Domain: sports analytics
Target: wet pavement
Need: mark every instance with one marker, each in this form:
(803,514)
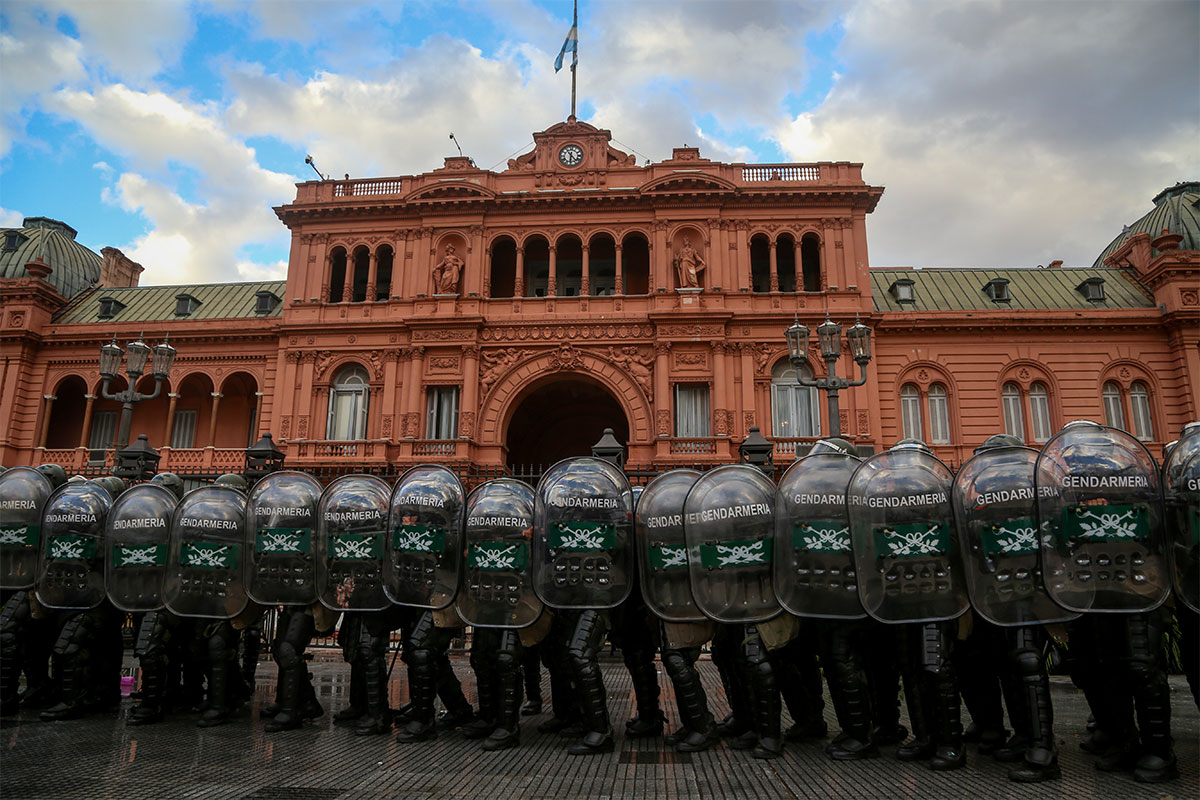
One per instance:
(100,757)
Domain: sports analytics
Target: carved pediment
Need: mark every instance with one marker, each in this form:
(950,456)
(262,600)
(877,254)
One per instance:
(449,191)
(687,183)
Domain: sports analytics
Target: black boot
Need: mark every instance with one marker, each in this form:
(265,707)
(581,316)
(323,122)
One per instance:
(1152,697)
(920,747)
(378,719)
(700,730)
(357,696)
(583,652)
(487,687)
(288,718)
(150,707)
(507,731)
(649,720)
(764,693)
(217,712)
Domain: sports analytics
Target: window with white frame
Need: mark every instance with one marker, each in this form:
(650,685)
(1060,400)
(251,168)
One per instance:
(104,431)
(910,412)
(1039,412)
(1139,405)
(794,409)
(939,414)
(691,411)
(1010,401)
(348,405)
(441,412)
(1114,414)
(183,431)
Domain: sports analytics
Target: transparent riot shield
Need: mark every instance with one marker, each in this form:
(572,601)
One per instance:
(206,562)
(583,535)
(1181,486)
(23,492)
(901,530)
(815,574)
(281,516)
(138,536)
(662,547)
(996,515)
(424,549)
(71,568)
(729,523)
(1100,510)
(351,529)
(497,589)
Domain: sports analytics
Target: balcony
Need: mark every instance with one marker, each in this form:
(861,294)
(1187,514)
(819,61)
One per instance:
(198,460)
(793,447)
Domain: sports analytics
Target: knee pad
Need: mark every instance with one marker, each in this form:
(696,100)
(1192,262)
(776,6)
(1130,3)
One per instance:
(286,655)
(1028,663)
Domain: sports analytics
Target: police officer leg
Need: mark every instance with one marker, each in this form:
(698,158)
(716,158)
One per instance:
(764,693)
(372,649)
(849,690)
(1040,761)
(293,635)
(348,635)
(221,641)
(917,695)
(485,645)
(638,654)
(1152,698)
(72,658)
(154,636)
(739,725)
(799,679)
(980,684)
(939,664)
(531,670)
(701,729)
(458,711)
(584,653)
(564,699)
(507,732)
(420,655)
(14,620)
(251,646)
(1189,647)
(882,649)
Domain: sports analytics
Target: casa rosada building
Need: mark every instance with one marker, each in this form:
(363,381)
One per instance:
(504,319)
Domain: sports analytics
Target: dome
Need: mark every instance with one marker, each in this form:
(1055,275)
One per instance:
(1176,208)
(74,266)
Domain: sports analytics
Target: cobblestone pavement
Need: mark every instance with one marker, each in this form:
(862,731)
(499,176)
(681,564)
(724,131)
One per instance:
(100,757)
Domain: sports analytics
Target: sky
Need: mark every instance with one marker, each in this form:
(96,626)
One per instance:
(1006,134)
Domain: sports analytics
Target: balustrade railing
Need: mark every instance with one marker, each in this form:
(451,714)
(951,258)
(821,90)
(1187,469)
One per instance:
(693,447)
(781,172)
(367,187)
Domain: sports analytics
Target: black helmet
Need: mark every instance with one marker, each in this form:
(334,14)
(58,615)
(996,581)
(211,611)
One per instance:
(170,481)
(54,473)
(911,444)
(999,440)
(232,479)
(834,444)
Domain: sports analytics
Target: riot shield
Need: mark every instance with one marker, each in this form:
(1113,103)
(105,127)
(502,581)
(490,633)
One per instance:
(206,562)
(71,566)
(497,589)
(281,515)
(425,546)
(583,535)
(351,528)
(1181,486)
(814,565)
(1100,509)
(996,517)
(138,537)
(729,524)
(23,492)
(902,534)
(662,547)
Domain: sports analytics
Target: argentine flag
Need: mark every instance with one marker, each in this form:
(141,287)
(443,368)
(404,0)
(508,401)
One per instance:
(572,44)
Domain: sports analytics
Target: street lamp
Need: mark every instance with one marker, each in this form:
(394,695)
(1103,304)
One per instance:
(829,339)
(136,354)
(262,458)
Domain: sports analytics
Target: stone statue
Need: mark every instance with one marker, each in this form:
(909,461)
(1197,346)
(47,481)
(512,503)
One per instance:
(638,366)
(688,266)
(447,272)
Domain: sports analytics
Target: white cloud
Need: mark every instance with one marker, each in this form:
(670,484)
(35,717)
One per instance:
(134,39)
(10,218)
(33,59)
(250,271)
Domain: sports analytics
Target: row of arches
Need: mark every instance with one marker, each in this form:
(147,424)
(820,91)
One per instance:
(190,411)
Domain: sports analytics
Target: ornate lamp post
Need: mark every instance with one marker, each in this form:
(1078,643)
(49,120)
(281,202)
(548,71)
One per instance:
(758,451)
(262,458)
(136,355)
(609,449)
(829,337)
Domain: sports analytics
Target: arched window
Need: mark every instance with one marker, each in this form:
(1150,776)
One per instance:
(939,414)
(1039,412)
(910,412)
(1114,414)
(1139,404)
(348,405)
(794,410)
(1010,400)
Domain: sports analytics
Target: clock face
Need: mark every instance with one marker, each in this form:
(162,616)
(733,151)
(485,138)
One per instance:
(570,155)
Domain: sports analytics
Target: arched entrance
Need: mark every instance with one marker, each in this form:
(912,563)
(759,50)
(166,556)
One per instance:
(560,418)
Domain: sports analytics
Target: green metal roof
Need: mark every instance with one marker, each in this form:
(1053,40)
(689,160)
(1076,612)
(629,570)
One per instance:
(955,289)
(157,303)
(1177,209)
(74,266)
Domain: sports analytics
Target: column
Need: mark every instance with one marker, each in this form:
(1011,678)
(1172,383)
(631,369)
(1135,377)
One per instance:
(771,248)
(212,419)
(720,391)
(348,284)
(587,274)
(828,255)
(415,371)
(748,410)
(662,390)
(258,405)
(372,276)
(467,411)
(660,267)
(169,427)
(551,279)
(519,278)
(49,398)
(745,279)
(620,286)
(305,394)
(475,273)
(87,420)
(798,260)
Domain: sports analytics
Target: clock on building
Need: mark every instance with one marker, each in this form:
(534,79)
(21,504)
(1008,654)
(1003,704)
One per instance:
(570,155)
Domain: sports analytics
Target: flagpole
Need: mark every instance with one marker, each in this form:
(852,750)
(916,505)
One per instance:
(574,55)
(572,91)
